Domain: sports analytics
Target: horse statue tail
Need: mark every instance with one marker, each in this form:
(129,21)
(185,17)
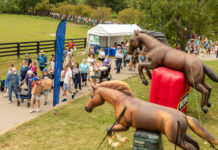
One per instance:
(200,131)
(210,73)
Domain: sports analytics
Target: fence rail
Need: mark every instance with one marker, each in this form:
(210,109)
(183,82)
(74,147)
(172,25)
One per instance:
(34,47)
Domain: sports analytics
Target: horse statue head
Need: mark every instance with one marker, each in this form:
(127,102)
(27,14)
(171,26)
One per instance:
(137,40)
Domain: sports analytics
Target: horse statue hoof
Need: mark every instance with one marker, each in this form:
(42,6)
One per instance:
(205,110)
(126,139)
(145,82)
(118,144)
(208,104)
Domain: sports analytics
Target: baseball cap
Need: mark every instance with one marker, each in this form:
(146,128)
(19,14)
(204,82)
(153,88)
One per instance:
(35,79)
(45,70)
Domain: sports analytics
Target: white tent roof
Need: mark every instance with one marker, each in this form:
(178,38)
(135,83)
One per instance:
(113,29)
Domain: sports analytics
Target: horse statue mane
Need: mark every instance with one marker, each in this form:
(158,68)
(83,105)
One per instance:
(157,35)
(118,85)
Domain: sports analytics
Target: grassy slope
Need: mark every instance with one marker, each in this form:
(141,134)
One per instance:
(73,128)
(17,28)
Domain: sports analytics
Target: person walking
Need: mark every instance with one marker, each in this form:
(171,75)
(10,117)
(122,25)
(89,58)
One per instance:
(108,63)
(28,60)
(34,68)
(46,92)
(101,56)
(76,77)
(142,56)
(135,60)
(37,89)
(119,58)
(42,61)
(12,81)
(124,55)
(23,70)
(91,74)
(84,67)
(67,82)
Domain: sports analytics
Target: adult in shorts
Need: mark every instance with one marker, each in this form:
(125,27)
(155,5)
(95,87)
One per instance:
(101,56)
(91,74)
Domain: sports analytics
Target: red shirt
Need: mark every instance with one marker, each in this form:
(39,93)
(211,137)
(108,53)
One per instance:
(71,45)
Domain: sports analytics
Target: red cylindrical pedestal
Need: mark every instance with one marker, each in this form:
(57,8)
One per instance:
(169,88)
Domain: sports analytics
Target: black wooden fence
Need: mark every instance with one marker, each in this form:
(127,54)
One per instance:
(21,48)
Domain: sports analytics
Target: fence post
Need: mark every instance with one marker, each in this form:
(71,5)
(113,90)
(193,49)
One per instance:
(18,50)
(54,45)
(37,49)
(85,43)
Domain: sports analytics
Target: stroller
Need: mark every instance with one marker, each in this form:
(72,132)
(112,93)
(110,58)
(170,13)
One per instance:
(24,93)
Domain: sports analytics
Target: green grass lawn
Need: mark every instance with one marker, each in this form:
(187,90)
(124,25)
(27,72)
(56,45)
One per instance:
(75,129)
(20,28)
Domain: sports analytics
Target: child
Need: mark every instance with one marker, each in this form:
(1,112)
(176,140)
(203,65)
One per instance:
(76,77)
(135,60)
(130,63)
(34,68)
(67,82)
(37,89)
(91,74)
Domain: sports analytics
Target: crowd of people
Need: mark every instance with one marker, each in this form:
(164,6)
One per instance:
(201,44)
(80,19)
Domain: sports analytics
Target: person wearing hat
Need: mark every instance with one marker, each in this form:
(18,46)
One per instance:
(42,61)
(30,75)
(28,60)
(12,81)
(46,75)
(36,94)
(23,70)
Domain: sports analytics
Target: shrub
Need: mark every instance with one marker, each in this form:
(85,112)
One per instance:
(44,6)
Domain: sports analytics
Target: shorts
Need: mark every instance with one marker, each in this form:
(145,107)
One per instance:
(101,59)
(52,76)
(62,83)
(46,92)
(67,88)
(38,98)
(93,77)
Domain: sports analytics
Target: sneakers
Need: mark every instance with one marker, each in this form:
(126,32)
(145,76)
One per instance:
(18,103)
(64,100)
(85,84)
(73,95)
(9,102)
(45,103)
(38,109)
(32,110)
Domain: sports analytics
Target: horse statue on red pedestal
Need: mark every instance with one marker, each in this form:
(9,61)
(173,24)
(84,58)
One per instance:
(159,53)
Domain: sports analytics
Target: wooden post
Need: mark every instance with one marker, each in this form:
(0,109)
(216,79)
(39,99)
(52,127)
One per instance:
(85,43)
(54,45)
(37,49)
(18,50)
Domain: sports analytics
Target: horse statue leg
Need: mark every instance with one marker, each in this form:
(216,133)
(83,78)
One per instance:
(115,129)
(141,66)
(122,139)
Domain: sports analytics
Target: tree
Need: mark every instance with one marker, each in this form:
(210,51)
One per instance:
(125,17)
(44,6)
(102,13)
(116,5)
(25,5)
(176,19)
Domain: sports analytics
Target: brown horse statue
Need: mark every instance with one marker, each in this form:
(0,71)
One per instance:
(148,116)
(159,53)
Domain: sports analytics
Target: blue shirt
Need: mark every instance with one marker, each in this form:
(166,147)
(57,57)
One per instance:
(84,67)
(42,60)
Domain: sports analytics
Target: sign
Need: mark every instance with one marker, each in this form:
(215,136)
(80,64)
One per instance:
(94,39)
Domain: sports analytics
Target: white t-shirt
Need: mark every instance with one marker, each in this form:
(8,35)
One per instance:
(101,54)
(52,66)
(68,75)
(89,60)
(92,70)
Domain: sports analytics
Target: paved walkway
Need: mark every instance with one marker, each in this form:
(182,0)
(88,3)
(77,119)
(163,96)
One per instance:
(12,116)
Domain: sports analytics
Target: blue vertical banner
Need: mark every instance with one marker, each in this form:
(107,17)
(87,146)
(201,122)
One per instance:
(59,48)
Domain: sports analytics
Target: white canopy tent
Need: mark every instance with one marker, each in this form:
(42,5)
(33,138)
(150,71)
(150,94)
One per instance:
(108,34)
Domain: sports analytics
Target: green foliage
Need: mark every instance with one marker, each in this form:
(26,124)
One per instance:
(128,15)
(177,19)
(44,6)
(103,13)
